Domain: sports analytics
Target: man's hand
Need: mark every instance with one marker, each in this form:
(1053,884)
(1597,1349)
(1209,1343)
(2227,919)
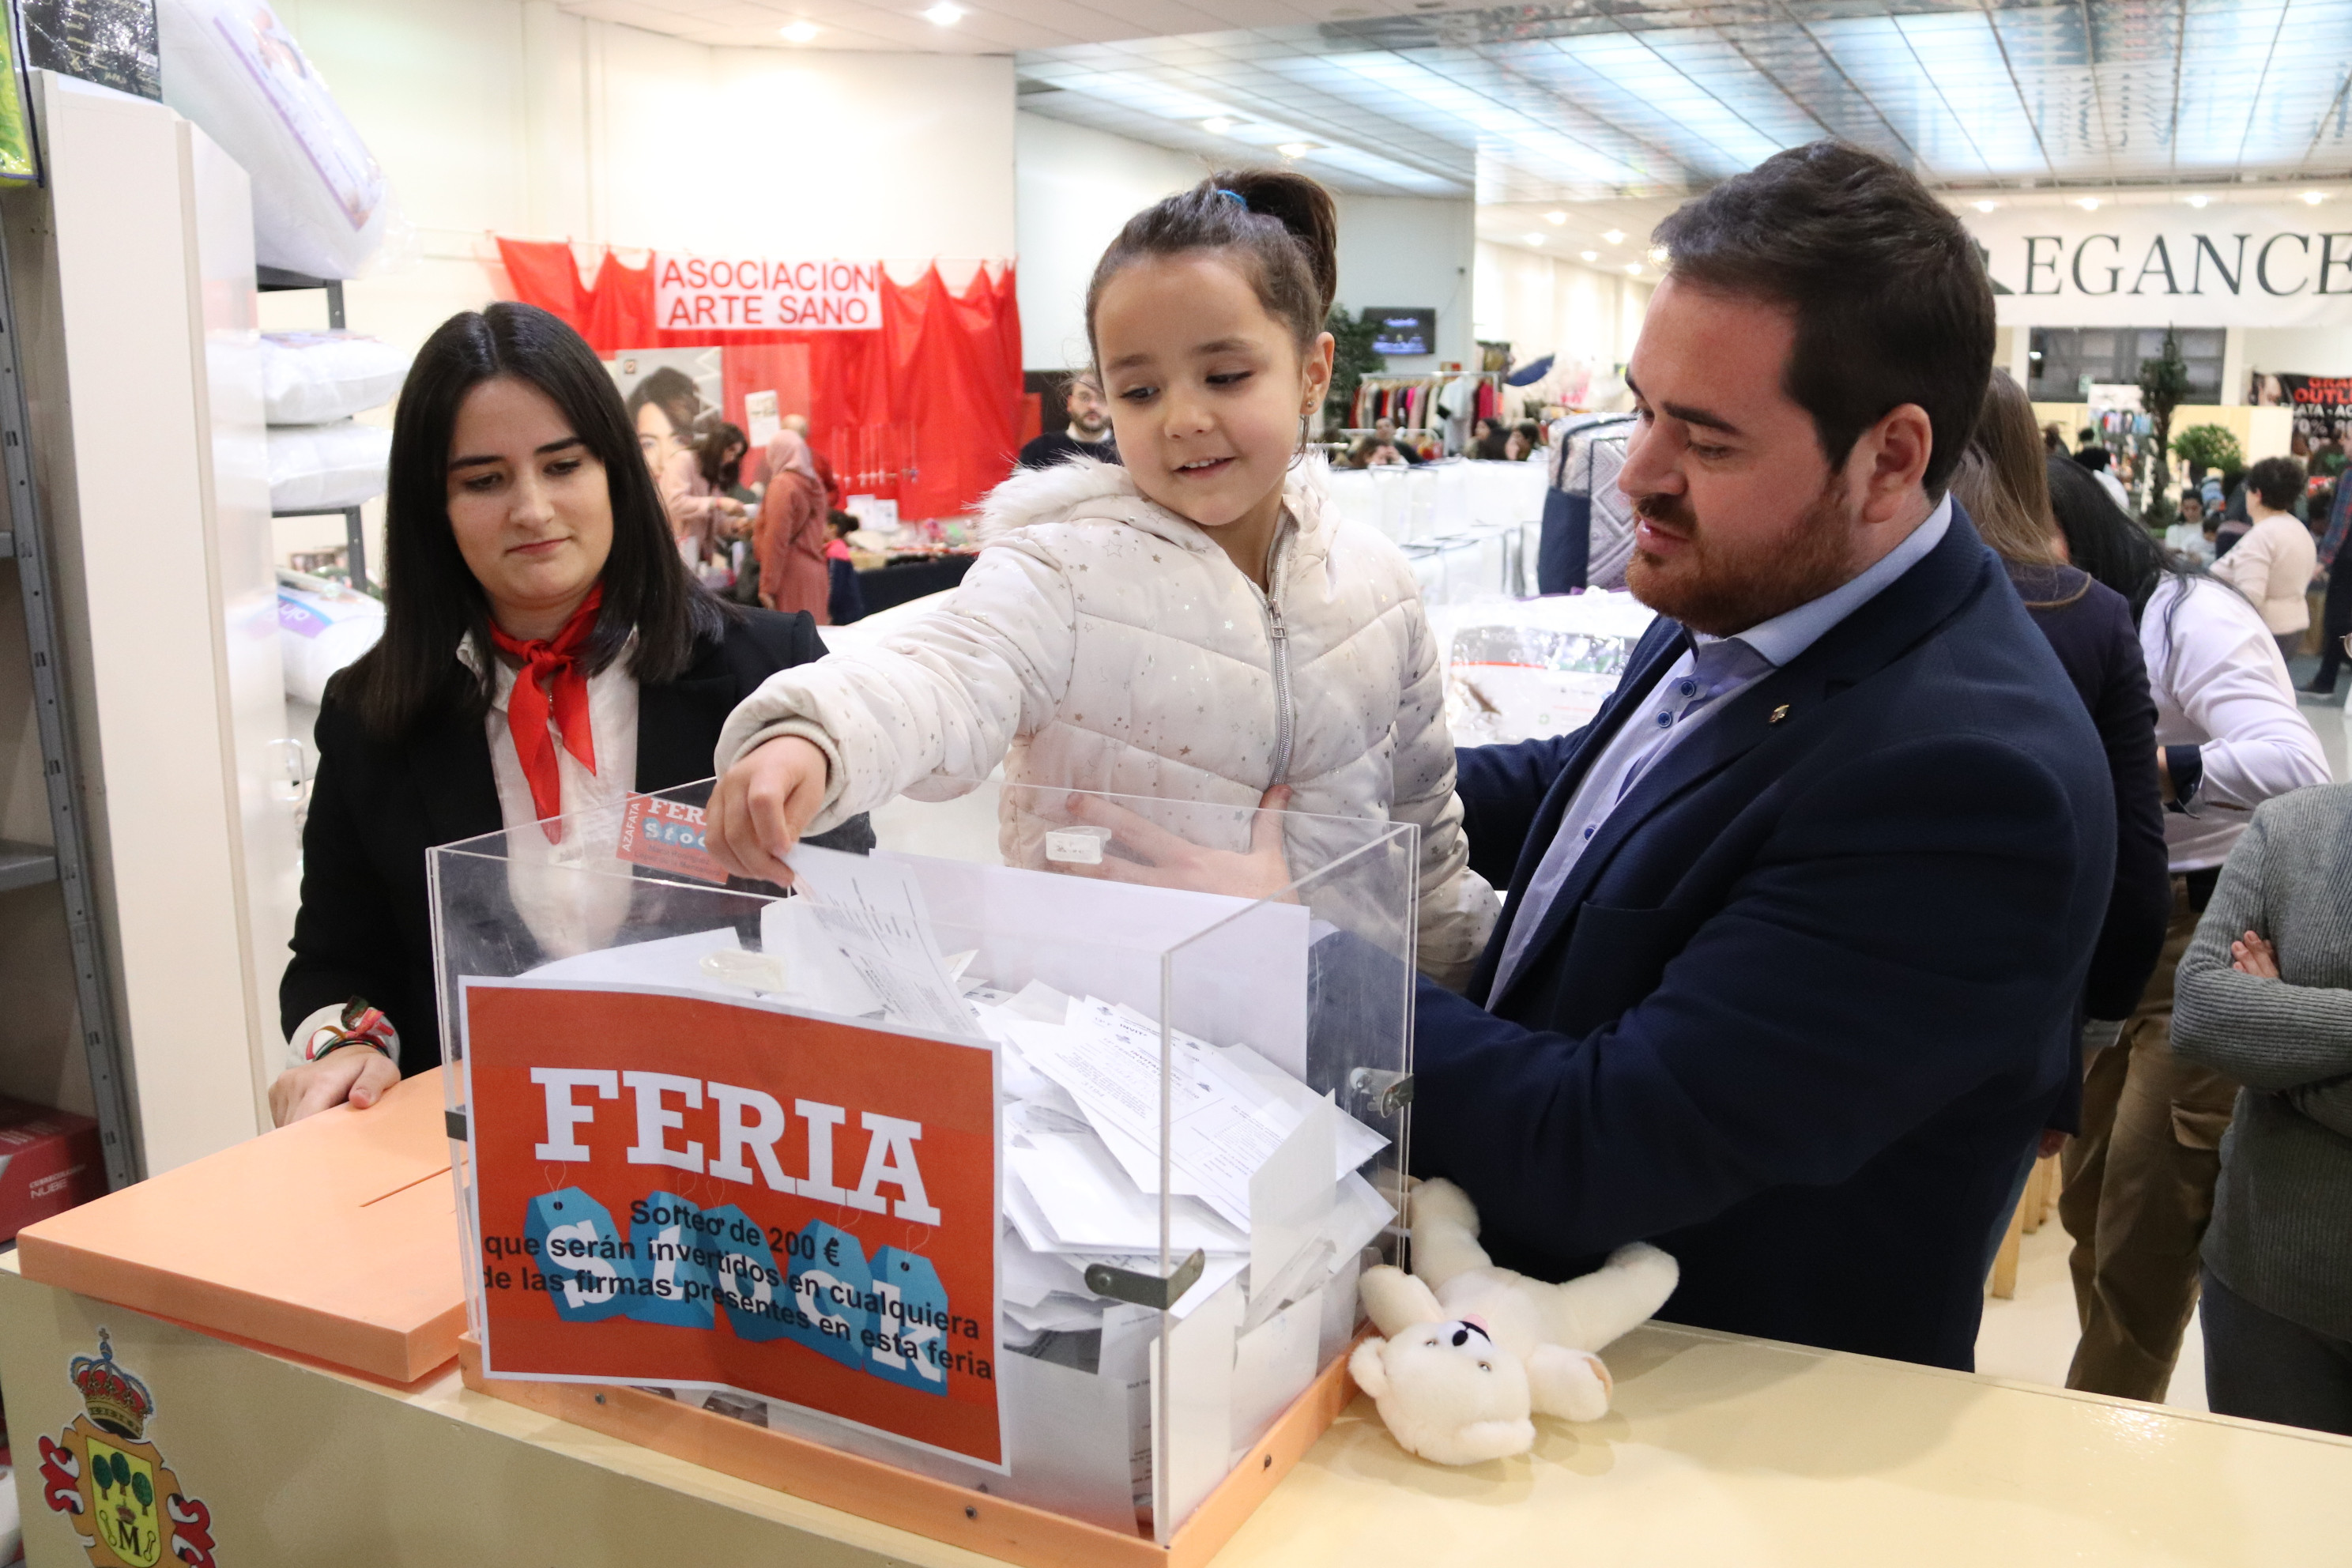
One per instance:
(359,1074)
(2251,954)
(1161,860)
(762,806)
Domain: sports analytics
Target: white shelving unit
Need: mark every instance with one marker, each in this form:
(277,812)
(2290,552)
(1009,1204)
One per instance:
(142,542)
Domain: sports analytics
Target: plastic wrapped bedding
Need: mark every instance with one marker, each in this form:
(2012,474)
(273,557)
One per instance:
(321,466)
(321,627)
(310,378)
(321,204)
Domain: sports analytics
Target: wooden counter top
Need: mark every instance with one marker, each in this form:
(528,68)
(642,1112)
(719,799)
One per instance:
(1721,1451)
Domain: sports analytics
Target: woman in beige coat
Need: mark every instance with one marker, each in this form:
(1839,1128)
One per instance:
(2274,564)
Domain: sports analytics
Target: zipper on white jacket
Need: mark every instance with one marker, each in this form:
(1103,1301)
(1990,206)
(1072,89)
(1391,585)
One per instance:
(1280,640)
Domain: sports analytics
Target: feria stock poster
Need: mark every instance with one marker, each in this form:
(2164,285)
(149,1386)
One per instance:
(795,1208)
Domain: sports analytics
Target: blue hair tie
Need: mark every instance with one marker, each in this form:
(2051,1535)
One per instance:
(1236,197)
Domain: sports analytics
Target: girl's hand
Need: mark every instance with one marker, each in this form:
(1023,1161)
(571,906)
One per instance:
(762,806)
(357,1074)
(1161,860)
(2251,954)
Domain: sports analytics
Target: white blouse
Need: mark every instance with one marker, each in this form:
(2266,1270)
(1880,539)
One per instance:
(572,895)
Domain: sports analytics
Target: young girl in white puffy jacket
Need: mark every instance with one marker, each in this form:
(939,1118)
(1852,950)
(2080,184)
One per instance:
(1199,624)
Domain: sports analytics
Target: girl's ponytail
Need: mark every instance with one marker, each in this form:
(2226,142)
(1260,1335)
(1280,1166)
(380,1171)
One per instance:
(1283,225)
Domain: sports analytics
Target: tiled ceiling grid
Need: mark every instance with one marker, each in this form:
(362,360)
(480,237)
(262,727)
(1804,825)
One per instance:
(1611,98)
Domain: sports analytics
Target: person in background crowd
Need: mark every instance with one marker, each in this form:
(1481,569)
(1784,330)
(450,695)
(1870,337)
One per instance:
(2004,484)
(729,446)
(1087,435)
(703,518)
(1384,430)
(2097,462)
(1526,437)
(2272,566)
(2336,610)
(1373,452)
(544,651)
(846,597)
(2192,509)
(793,534)
(1492,444)
(2139,1173)
(2053,440)
(799,426)
(2264,991)
(1800,920)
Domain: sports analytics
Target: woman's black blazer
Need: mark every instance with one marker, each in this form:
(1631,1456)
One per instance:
(363,928)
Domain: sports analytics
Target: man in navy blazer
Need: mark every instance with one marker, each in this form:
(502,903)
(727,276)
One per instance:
(1787,983)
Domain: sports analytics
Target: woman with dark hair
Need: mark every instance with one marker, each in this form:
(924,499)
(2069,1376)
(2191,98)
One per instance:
(544,651)
(2002,482)
(2139,1176)
(2272,566)
(661,410)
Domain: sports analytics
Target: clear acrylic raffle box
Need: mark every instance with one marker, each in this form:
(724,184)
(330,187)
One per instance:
(1009,1183)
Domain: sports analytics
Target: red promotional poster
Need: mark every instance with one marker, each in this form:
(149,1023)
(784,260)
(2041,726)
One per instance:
(673,1188)
(667,835)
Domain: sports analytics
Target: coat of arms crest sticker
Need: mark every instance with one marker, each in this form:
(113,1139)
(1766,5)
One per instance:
(112,1484)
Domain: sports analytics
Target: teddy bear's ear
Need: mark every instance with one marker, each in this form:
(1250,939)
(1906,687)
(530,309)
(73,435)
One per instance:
(1371,1372)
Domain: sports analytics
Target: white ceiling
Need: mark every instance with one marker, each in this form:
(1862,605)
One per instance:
(1537,108)
(988,26)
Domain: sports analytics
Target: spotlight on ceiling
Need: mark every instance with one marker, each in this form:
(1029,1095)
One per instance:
(1986,206)
(1555,218)
(2312,198)
(2089,203)
(800,32)
(1615,236)
(2200,200)
(1533,238)
(1299,149)
(1635,267)
(1217,126)
(1588,255)
(1658,256)
(944,15)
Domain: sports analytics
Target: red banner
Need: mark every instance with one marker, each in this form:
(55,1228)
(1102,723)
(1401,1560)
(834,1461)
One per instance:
(800,1209)
(925,412)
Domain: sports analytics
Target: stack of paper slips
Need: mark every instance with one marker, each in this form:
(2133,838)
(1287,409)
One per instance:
(1084,1082)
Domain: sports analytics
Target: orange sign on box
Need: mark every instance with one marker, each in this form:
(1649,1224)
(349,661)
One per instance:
(679,1188)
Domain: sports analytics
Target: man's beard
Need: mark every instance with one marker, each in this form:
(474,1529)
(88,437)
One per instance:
(1711,590)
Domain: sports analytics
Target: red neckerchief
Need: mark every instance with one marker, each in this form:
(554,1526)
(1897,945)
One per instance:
(551,682)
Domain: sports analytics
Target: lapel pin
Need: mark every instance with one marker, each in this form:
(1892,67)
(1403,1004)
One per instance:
(1777,714)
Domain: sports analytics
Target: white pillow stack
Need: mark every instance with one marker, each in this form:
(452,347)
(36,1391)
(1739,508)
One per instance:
(312,383)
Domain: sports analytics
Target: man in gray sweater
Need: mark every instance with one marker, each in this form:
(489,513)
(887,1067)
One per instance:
(2264,994)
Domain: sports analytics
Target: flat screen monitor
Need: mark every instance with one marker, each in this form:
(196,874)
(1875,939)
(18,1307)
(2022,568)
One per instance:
(1402,329)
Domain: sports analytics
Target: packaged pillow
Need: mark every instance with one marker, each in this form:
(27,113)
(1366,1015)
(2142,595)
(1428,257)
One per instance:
(321,627)
(310,378)
(320,205)
(320,466)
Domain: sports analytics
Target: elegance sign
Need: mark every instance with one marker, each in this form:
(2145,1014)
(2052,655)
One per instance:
(2215,267)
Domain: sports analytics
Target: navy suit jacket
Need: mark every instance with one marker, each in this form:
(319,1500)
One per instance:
(1807,997)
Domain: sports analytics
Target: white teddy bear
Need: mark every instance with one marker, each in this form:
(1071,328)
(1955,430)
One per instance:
(1472,1351)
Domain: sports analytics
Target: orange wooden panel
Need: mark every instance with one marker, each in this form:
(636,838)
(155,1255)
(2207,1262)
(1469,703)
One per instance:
(1012,1531)
(335,1239)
